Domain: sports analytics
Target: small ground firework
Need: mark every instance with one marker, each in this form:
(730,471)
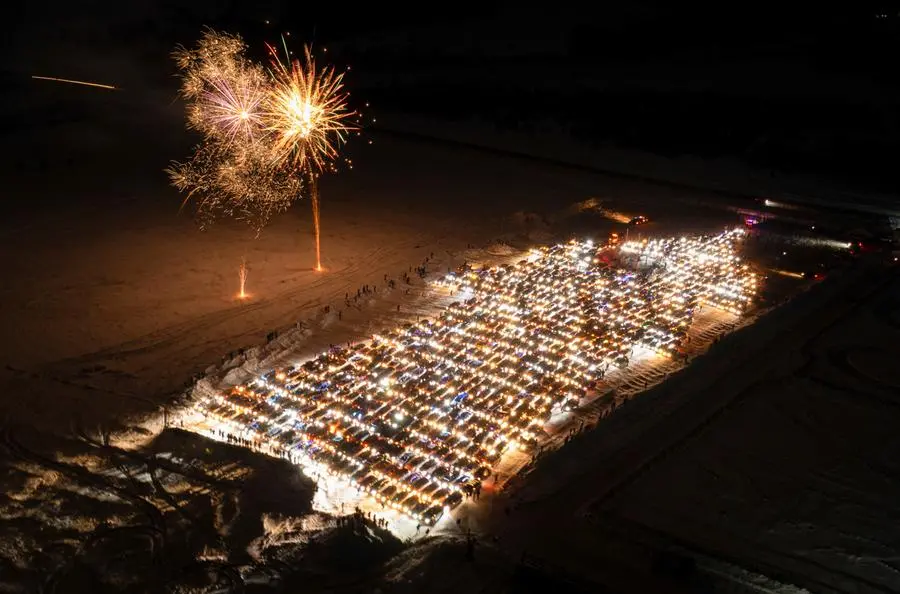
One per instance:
(242,274)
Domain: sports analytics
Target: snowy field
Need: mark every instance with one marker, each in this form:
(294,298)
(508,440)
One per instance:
(119,300)
(124,298)
(115,303)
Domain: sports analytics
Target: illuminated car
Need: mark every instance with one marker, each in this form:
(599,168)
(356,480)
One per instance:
(639,220)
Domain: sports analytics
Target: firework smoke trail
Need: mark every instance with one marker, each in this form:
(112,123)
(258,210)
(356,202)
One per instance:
(314,200)
(242,273)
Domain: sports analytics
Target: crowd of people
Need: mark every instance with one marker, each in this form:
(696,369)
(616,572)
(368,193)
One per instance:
(417,417)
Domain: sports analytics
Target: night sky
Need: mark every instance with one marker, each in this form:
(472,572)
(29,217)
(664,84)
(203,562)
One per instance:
(788,89)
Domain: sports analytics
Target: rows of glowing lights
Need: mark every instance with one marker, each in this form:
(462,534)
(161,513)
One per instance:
(416,415)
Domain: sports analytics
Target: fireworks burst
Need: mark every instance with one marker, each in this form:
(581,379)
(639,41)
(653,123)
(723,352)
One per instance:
(232,172)
(216,56)
(225,89)
(267,132)
(308,115)
(307,112)
(235,180)
(231,107)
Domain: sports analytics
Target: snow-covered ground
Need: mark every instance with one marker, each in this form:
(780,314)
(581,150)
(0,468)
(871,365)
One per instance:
(116,300)
(113,302)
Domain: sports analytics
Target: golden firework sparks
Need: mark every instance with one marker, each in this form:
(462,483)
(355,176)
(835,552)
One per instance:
(225,89)
(238,180)
(307,112)
(232,172)
(216,56)
(266,132)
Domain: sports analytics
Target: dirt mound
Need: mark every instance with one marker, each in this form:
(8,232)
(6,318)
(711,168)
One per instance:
(500,249)
(602,207)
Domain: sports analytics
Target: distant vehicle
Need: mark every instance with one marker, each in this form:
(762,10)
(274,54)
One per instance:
(869,246)
(639,220)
